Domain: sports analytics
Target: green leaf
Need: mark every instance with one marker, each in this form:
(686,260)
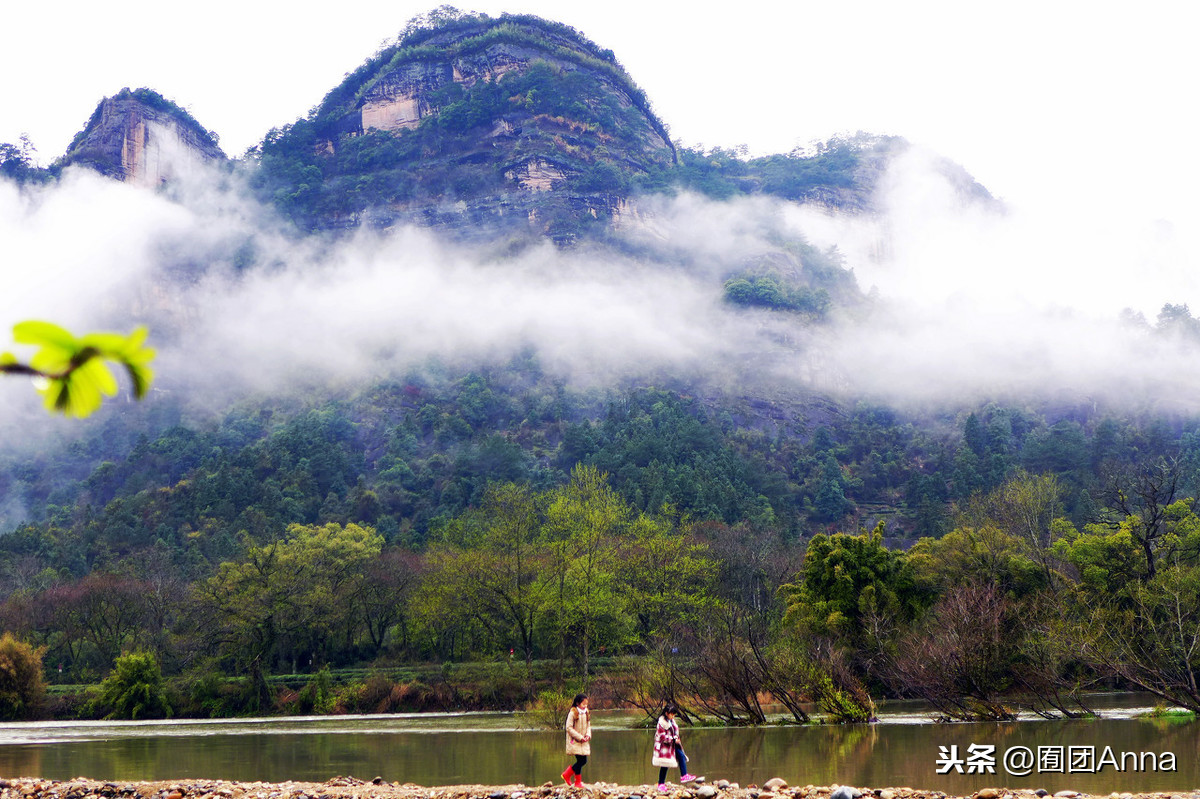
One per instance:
(102,375)
(141,377)
(44,333)
(78,377)
(55,396)
(110,344)
(51,359)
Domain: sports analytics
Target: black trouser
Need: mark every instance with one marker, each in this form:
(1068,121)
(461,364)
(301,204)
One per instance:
(679,756)
(580,762)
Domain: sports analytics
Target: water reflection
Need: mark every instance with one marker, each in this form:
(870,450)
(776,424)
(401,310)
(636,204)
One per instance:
(433,750)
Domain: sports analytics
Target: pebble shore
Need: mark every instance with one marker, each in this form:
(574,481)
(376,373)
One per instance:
(350,788)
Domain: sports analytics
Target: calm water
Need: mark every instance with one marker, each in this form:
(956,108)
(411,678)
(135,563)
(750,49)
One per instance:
(437,749)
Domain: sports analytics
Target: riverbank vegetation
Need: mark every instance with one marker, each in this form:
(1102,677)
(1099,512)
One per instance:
(455,541)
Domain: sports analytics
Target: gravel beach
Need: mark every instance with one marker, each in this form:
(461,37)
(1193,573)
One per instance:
(351,788)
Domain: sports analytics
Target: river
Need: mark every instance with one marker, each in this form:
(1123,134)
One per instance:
(902,749)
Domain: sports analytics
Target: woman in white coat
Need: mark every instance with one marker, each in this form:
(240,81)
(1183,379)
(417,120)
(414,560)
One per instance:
(579,735)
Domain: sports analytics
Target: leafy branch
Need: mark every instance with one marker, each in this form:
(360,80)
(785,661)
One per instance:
(72,373)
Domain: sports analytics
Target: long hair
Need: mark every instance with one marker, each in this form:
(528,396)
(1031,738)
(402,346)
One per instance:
(670,708)
(578,698)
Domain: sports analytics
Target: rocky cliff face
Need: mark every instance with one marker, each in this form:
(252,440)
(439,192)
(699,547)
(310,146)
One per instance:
(514,121)
(138,137)
(403,94)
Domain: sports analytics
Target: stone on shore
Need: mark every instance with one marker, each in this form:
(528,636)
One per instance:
(352,788)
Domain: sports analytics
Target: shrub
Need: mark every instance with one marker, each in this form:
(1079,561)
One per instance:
(207,695)
(548,710)
(374,695)
(74,704)
(22,686)
(134,689)
(317,696)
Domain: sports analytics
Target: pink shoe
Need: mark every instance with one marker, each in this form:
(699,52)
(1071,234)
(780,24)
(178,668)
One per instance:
(663,789)
(687,778)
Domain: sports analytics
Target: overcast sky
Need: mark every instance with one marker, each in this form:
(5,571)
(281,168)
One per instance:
(1044,102)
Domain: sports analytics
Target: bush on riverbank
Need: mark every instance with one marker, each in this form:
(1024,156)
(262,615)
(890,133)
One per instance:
(133,690)
(547,710)
(212,695)
(317,696)
(22,686)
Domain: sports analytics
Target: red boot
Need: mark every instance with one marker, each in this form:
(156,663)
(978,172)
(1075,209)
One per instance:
(568,775)
(578,780)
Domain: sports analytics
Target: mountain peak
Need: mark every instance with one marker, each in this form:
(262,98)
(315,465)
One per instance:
(448,47)
(132,135)
(525,120)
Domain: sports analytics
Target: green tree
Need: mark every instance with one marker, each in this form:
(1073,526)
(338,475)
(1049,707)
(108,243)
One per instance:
(586,522)
(975,436)
(240,611)
(1107,562)
(1152,639)
(324,567)
(22,687)
(830,502)
(671,576)
(978,556)
(852,589)
(134,689)
(1139,499)
(491,561)
(318,695)
(1025,506)
(292,597)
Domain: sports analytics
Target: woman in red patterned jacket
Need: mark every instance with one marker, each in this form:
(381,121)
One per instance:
(668,750)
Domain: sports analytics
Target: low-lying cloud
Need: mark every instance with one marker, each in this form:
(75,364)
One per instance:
(976,302)
(968,301)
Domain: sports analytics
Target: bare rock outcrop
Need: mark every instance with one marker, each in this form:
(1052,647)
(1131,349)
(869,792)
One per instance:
(140,137)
